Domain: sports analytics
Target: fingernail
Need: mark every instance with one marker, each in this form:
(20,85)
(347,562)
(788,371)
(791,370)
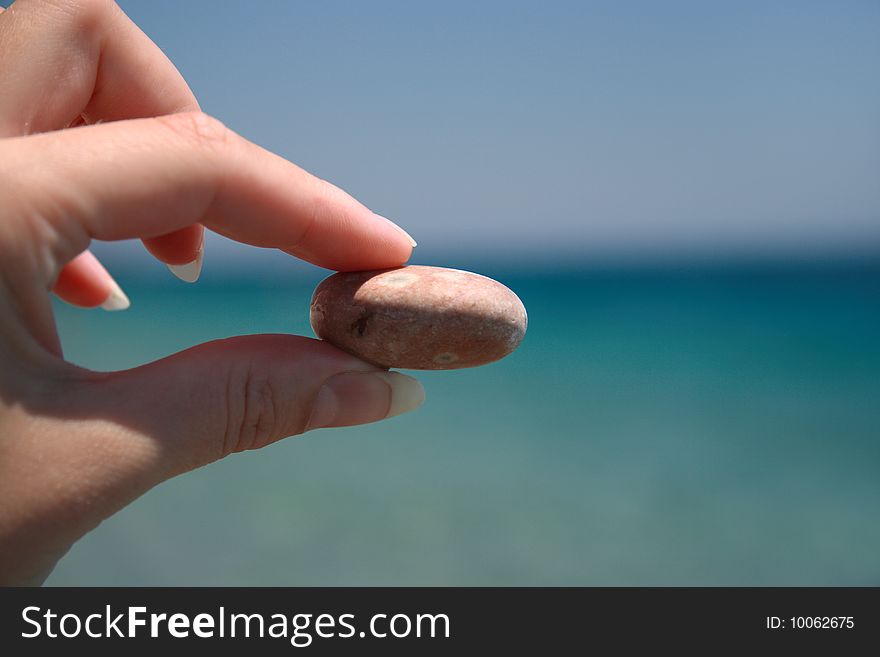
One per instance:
(407,394)
(190,271)
(407,235)
(362,397)
(116,300)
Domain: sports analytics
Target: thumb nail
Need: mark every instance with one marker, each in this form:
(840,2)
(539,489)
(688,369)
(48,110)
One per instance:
(362,397)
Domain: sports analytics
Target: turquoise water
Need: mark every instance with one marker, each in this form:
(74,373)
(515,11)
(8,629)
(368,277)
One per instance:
(680,427)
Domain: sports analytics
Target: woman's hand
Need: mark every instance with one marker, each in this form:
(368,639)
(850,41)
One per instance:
(100,138)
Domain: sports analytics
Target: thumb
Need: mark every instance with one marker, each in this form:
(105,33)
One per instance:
(91,443)
(244,393)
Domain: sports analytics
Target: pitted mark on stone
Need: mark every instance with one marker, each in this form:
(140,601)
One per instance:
(359,326)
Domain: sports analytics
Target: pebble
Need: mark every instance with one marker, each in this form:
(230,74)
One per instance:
(419,317)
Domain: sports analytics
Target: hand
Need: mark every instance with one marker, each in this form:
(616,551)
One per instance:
(100,138)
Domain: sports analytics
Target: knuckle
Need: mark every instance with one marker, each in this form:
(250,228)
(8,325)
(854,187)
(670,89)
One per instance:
(96,7)
(253,412)
(201,129)
(83,16)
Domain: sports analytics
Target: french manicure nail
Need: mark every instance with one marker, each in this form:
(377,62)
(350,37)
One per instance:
(361,397)
(116,300)
(407,235)
(190,271)
(407,394)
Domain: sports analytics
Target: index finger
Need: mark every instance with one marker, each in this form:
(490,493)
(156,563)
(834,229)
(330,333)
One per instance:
(149,177)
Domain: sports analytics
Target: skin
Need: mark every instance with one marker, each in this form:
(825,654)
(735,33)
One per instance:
(101,138)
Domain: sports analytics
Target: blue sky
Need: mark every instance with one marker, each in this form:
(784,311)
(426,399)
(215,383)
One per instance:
(585,131)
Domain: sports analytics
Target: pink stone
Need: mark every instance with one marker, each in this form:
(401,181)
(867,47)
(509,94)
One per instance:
(418,317)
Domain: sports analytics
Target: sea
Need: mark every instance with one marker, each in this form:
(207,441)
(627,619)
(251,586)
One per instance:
(670,425)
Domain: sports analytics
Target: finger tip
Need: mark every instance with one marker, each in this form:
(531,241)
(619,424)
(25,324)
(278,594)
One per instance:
(400,231)
(351,398)
(407,393)
(117,299)
(189,272)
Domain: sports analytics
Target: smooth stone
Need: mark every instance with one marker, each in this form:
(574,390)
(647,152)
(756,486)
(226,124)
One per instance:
(419,317)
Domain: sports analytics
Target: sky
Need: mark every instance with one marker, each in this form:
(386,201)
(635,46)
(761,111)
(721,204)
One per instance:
(578,131)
